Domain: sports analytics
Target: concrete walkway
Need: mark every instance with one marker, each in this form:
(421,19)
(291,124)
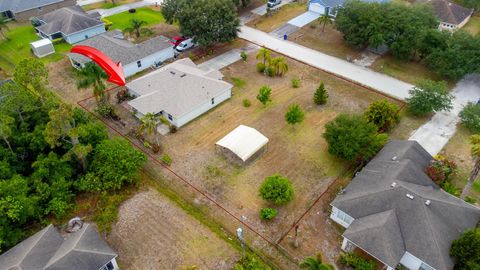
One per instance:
(364,76)
(434,134)
(227,58)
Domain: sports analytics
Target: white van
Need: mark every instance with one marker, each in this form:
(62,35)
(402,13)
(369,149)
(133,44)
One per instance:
(185,45)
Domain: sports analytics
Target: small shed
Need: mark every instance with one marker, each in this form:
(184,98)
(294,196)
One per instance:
(242,145)
(42,47)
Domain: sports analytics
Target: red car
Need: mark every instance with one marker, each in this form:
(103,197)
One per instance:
(177,40)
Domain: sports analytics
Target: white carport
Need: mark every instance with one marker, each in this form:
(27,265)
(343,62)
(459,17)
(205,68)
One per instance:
(43,47)
(243,144)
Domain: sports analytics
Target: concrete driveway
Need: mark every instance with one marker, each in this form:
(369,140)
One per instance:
(364,76)
(123,8)
(434,134)
(304,19)
(227,58)
(262,10)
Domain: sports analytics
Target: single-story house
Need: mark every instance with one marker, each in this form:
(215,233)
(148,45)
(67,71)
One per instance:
(451,15)
(180,92)
(330,7)
(23,10)
(394,212)
(43,47)
(72,24)
(242,145)
(134,57)
(49,250)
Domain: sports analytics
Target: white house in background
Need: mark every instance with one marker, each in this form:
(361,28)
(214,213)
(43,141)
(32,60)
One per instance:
(242,145)
(330,6)
(393,211)
(72,24)
(451,16)
(134,57)
(49,250)
(180,92)
(43,47)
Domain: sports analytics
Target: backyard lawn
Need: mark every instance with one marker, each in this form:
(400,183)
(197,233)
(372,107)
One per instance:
(17,47)
(473,26)
(122,20)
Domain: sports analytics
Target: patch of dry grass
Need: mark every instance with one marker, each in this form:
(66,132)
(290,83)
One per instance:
(278,18)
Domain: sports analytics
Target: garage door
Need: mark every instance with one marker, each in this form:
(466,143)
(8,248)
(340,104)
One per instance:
(315,7)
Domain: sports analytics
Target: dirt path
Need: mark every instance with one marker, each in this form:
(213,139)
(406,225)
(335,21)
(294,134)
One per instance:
(154,233)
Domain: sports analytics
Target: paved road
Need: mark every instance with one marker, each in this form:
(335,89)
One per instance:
(227,58)
(122,8)
(380,82)
(434,134)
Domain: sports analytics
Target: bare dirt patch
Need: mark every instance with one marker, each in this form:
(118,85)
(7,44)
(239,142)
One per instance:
(154,233)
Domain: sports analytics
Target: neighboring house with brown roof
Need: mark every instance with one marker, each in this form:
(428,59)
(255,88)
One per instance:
(393,211)
(72,24)
(180,92)
(134,57)
(451,16)
(48,250)
(23,10)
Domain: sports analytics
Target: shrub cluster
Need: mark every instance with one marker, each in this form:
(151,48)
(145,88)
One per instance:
(357,262)
(276,189)
(268,213)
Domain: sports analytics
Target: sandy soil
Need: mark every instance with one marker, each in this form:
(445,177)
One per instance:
(153,233)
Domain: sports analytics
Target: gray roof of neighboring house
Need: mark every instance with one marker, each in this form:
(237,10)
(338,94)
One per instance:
(177,89)
(113,45)
(48,250)
(22,5)
(336,3)
(68,20)
(387,223)
(450,12)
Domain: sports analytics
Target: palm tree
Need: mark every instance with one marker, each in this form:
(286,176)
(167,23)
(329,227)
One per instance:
(149,123)
(315,263)
(3,25)
(135,26)
(279,65)
(92,76)
(264,54)
(475,152)
(324,19)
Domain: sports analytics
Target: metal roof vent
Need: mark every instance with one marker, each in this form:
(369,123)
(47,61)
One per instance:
(394,184)
(410,196)
(172,72)
(183,75)
(428,202)
(394,158)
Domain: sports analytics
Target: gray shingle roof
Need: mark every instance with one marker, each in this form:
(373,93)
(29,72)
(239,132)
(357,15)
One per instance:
(47,250)
(22,5)
(426,231)
(118,49)
(450,12)
(68,20)
(177,89)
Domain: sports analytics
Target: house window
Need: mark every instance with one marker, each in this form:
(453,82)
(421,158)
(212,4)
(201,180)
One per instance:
(139,63)
(213,101)
(344,217)
(170,117)
(108,266)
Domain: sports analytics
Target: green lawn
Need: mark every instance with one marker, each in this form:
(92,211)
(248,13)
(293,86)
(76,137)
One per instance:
(17,47)
(122,20)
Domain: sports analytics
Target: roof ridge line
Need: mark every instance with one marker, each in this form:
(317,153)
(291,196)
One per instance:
(434,235)
(64,240)
(96,252)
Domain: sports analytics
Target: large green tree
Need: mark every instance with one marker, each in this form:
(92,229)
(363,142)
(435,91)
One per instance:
(466,250)
(383,114)
(32,74)
(429,96)
(207,21)
(352,137)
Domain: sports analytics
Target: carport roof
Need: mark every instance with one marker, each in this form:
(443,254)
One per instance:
(243,141)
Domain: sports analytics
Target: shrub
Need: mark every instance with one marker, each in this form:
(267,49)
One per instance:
(294,114)
(250,263)
(470,116)
(270,72)
(268,213)
(107,22)
(440,169)
(155,148)
(470,200)
(466,250)
(295,82)
(123,95)
(166,159)
(264,94)
(350,137)
(320,96)
(261,67)
(244,56)
(276,189)
(104,109)
(450,188)
(173,128)
(246,103)
(239,83)
(356,262)
(382,114)
(429,96)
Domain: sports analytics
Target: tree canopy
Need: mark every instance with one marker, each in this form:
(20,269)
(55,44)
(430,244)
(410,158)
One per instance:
(429,96)
(207,21)
(466,250)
